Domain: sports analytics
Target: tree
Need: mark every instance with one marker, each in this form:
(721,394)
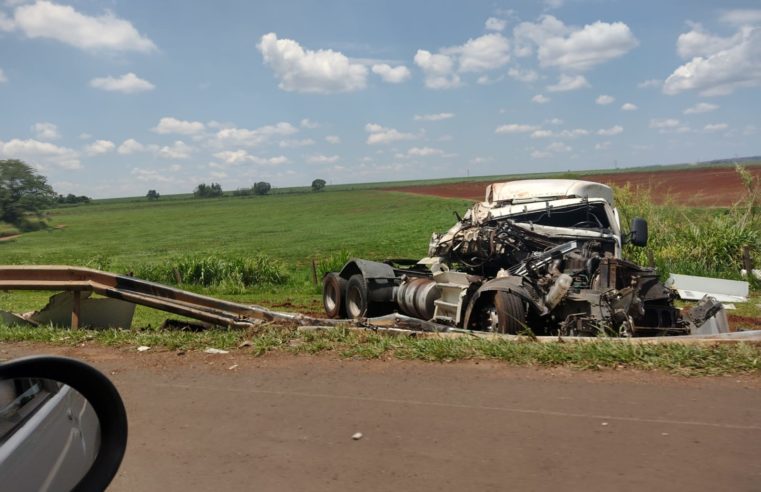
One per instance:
(318,184)
(262,188)
(23,193)
(152,195)
(208,191)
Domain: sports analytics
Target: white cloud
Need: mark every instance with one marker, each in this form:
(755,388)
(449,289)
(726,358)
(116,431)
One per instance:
(317,72)
(307,123)
(609,132)
(434,117)
(46,131)
(253,138)
(575,133)
(130,146)
(333,139)
(129,83)
(178,150)
(701,107)
(569,83)
(487,80)
(296,143)
(553,4)
(6,23)
(570,48)
(438,70)
(3,78)
(40,154)
(629,107)
(741,17)
(540,154)
(559,147)
(424,151)
(602,145)
(495,24)
(542,134)
(382,135)
(481,54)
(85,136)
(515,128)
(237,157)
(664,123)
(392,75)
(529,35)
(722,72)
(698,42)
(169,124)
(669,125)
(555,121)
(63,23)
(322,159)
(715,127)
(99,147)
(604,99)
(150,175)
(522,75)
(540,99)
(649,84)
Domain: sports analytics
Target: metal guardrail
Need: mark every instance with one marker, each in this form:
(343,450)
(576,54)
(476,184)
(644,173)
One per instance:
(137,291)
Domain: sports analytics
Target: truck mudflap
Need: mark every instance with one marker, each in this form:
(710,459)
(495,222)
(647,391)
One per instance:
(513,284)
(368,269)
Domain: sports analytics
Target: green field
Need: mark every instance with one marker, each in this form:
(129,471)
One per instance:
(289,230)
(220,245)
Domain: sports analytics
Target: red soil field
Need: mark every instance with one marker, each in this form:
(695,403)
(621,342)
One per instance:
(697,187)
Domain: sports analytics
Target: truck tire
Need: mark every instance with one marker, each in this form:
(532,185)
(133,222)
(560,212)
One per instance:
(356,297)
(505,314)
(333,293)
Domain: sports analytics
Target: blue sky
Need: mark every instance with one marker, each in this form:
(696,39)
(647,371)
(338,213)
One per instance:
(114,98)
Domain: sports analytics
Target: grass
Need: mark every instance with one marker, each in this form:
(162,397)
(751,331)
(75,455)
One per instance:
(687,360)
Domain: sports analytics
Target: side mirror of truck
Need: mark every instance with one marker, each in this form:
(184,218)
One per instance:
(639,232)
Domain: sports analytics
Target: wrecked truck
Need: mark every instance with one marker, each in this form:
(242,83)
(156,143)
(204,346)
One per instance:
(538,257)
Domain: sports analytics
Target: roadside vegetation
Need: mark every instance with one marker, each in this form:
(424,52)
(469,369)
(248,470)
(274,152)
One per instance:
(686,360)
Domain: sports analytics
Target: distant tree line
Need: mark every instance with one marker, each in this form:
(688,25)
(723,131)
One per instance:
(208,191)
(152,195)
(71,199)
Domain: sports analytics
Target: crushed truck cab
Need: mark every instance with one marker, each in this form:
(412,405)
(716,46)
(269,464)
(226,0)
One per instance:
(539,256)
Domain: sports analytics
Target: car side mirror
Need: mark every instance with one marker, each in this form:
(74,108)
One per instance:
(63,425)
(639,232)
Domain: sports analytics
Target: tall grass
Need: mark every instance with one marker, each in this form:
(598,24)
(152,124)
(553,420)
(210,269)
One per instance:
(215,271)
(706,242)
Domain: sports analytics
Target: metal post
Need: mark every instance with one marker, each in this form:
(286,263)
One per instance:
(75,310)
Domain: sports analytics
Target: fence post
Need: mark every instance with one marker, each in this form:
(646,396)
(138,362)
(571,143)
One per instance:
(314,271)
(747,261)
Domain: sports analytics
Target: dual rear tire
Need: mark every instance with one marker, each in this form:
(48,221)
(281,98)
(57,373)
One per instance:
(345,298)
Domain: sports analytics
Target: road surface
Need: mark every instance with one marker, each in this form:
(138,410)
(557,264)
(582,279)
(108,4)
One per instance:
(235,422)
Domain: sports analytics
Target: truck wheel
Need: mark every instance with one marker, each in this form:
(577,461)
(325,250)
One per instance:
(505,314)
(356,297)
(333,291)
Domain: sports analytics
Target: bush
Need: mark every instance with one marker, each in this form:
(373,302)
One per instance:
(262,188)
(701,242)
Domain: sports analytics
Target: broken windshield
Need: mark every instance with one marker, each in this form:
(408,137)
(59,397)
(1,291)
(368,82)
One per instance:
(584,216)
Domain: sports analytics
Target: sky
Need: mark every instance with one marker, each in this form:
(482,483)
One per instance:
(113,98)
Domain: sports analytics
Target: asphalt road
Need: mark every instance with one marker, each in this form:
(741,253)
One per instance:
(234,422)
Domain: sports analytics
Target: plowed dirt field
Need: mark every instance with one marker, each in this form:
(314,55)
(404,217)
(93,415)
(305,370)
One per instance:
(698,187)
